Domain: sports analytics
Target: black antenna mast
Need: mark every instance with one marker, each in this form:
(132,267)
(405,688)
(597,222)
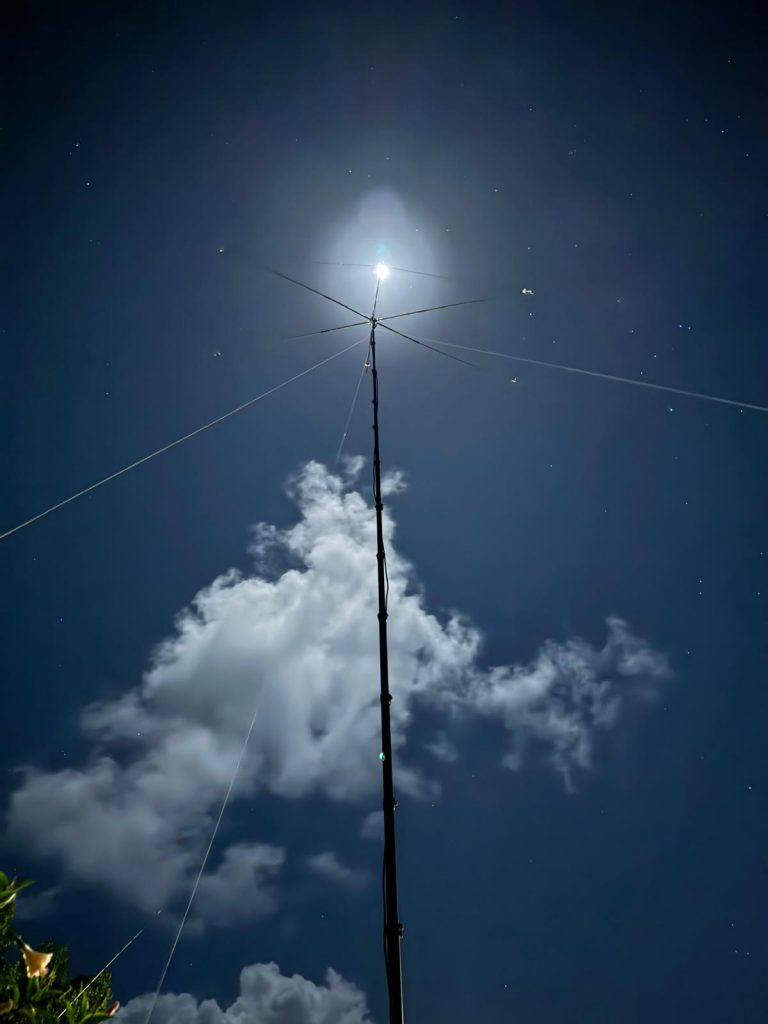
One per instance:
(393,929)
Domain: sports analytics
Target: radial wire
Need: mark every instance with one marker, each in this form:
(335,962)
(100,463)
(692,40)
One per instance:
(106,967)
(178,441)
(372,266)
(327,330)
(351,409)
(424,344)
(432,309)
(309,288)
(183,921)
(605,376)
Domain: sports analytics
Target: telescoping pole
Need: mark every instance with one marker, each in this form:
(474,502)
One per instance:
(393,930)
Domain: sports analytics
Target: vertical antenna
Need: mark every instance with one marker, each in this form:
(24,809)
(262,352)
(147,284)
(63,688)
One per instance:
(393,930)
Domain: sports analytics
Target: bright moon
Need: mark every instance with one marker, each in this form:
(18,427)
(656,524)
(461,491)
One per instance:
(382,271)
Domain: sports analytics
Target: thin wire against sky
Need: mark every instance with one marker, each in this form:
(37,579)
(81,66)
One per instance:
(595,373)
(179,440)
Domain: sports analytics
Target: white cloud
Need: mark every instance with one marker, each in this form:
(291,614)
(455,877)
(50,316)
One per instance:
(443,748)
(328,866)
(373,825)
(31,905)
(296,641)
(240,887)
(139,828)
(567,693)
(266,997)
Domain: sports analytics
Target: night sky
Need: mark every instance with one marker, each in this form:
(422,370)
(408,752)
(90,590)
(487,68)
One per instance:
(578,566)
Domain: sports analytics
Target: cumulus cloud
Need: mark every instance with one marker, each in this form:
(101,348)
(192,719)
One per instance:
(138,828)
(294,641)
(443,748)
(567,693)
(266,997)
(240,888)
(373,825)
(328,866)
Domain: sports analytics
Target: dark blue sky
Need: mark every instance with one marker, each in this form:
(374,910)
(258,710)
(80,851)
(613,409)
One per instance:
(158,158)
